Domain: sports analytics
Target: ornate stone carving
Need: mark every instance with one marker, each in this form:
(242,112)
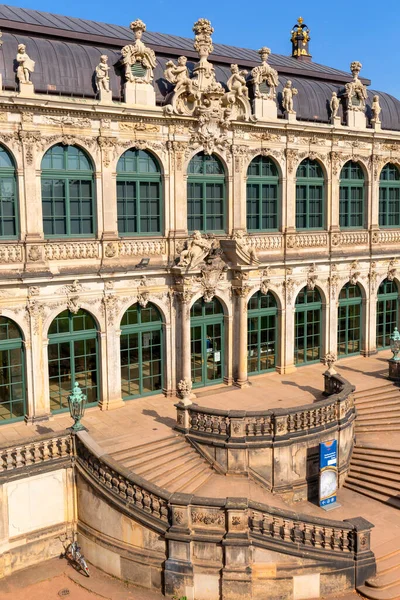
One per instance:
(102,74)
(33,290)
(143,293)
(333,280)
(288,93)
(311,277)
(108,147)
(202,95)
(392,271)
(329,359)
(138,54)
(73,304)
(203,517)
(110,308)
(185,389)
(71,251)
(264,73)
(195,251)
(69,121)
(355,92)
(354,273)
(265,281)
(291,158)
(139,126)
(245,252)
(30,140)
(288,286)
(11,253)
(35,311)
(26,65)
(35,253)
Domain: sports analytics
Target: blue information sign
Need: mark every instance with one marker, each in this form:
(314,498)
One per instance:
(328,472)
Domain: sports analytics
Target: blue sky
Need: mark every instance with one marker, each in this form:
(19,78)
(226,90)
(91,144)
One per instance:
(341,31)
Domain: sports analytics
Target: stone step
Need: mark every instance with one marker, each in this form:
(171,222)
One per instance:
(380,497)
(388,564)
(373,391)
(363,486)
(162,456)
(386,406)
(378,416)
(381,427)
(384,485)
(376,463)
(385,472)
(192,487)
(167,466)
(384,580)
(381,401)
(392,593)
(147,449)
(368,451)
(386,550)
(181,477)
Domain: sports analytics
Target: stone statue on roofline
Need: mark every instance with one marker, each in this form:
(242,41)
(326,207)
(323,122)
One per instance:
(376,110)
(355,90)
(102,76)
(287,97)
(138,54)
(26,65)
(264,73)
(334,106)
(201,93)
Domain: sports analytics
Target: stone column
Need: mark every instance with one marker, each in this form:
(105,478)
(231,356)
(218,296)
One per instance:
(333,198)
(365,326)
(109,203)
(287,347)
(228,341)
(179,198)
(291,167)
(111,357)
(239,190)
(32,188)
(280,342)
(241,312)
(185,350)
(371,317)
(237,574)
(373,194)
(39,374)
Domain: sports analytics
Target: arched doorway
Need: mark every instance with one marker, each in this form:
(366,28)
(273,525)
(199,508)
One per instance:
(387,313)
(141,352)
(73,356)
(349,320)
(12,372)
(308,327)
(262,315)
(207,342)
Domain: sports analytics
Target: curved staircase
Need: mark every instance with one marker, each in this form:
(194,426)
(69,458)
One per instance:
(170,462)
(378,409)
(386,584)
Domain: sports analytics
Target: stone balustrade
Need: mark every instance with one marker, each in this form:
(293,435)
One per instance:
(35,453)
(263,443)
(226,530)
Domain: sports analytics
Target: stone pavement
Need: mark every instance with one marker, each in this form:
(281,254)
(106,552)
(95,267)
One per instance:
(153,417)
(55,579)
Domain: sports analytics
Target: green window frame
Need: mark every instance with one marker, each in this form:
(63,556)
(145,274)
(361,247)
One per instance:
(387,313)
(139,193)
(12,372)
(68,193)
(389,196)
(206,194)
(262,195)
(142,355)
(73,355)
(349,320)
(207,342)
(9,210)
(352,196)
(310,195)
(308,320)
(262,317)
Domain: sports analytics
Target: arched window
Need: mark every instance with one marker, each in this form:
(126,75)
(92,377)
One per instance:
(67,193)
(387,313)
(141,352)
(262,195)
(8,197)
(351,196)
(12,372)
(138,194)
(310,195)
(73,356)
(349,320)
(262,314)
(389,196)
(206,194)
(308,312)
(207,342)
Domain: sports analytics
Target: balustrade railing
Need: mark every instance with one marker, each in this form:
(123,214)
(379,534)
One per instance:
(35,452)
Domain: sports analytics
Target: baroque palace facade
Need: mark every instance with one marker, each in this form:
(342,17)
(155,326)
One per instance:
(170,222)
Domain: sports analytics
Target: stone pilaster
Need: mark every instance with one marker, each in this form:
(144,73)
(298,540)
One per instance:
(178,570)
(39,373)
(237,574)
(241,312)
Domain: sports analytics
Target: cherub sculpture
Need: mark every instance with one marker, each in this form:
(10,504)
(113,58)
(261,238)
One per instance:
(179,75)
(102,76)
(26,66)
(195,251)
(237,82)
(287,101)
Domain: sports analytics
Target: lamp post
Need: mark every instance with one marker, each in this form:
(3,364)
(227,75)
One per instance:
(77,404)
(394,362)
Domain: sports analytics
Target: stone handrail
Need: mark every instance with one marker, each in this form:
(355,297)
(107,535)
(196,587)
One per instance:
(179,514)
(272,424)
(44,449)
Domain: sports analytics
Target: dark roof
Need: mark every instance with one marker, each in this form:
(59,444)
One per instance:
(66,51)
